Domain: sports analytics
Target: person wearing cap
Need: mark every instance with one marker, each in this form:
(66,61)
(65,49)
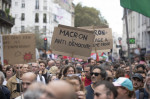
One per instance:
(143,93)
(137,80)
(124,88)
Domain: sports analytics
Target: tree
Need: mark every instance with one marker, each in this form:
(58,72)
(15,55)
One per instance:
(88,16)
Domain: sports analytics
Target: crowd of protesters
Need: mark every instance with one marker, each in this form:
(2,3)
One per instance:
(67,79)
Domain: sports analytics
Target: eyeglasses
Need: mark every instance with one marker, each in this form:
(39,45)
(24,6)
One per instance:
(96,74)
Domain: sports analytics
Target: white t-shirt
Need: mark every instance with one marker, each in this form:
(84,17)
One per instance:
(38,79)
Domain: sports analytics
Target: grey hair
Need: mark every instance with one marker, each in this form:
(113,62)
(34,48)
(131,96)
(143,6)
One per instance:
(2,76)
(30,94)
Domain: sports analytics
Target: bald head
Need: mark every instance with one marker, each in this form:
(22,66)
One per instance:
(27,79)
(61,89)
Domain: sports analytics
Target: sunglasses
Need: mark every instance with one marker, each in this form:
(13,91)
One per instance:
(96,74)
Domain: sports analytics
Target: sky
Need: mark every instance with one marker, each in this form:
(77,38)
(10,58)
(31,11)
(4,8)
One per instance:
(110,9)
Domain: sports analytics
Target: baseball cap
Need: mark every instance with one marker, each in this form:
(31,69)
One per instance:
(137,75)
(124,82)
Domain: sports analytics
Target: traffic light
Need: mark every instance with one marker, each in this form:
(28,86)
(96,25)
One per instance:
(45,43)
(45,40)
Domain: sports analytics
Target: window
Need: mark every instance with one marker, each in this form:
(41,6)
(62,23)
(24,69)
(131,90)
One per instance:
(55,18)
(16,3)
(36,17)
(36,29)
(23,5)
(22,17)
(44,18)
(22,29)
(44,29)
(37,4)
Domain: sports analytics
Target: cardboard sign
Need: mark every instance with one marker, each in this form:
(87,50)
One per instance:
(103,38)
(19,49)
(70,41)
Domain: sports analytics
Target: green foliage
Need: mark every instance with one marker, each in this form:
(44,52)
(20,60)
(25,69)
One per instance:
(39,41)
(88,16)
(7,12)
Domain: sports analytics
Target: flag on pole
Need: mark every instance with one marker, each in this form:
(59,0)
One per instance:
(141,6)
(97,57)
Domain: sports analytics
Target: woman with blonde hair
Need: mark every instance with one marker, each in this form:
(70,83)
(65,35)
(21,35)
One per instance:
(53,70)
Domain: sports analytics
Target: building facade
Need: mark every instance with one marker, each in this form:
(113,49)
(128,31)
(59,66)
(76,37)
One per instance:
(6,20)
(39,16)
(139,28)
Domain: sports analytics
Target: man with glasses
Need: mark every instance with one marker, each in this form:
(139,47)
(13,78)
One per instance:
(35,70)
(97,74)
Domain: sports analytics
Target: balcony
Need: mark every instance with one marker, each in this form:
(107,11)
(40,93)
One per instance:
(7,1)
(7,19)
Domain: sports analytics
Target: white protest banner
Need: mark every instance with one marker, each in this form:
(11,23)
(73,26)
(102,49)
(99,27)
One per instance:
(71,41)
(19,48)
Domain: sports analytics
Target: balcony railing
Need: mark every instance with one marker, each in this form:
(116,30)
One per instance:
(7,18)
(7,1)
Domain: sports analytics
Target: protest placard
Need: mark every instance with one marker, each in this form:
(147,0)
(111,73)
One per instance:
(71,41)
(19,48)
(103,38)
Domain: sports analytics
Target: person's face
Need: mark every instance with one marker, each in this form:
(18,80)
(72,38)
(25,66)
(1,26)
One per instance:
(25,83)
(82,74)
(109,76)
(4,68)
(137,83)
(121,92)
(87,72)
(50,63)
(18,68)
(25,68)
(127,70)
(95,75)
(100,92)
(144,77)
(58,63)
(92,62)
(42,66)
(140,69)
(70,70)
(76,84)
(9,72)
(35,68)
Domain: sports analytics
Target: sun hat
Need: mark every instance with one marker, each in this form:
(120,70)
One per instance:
(124,82)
